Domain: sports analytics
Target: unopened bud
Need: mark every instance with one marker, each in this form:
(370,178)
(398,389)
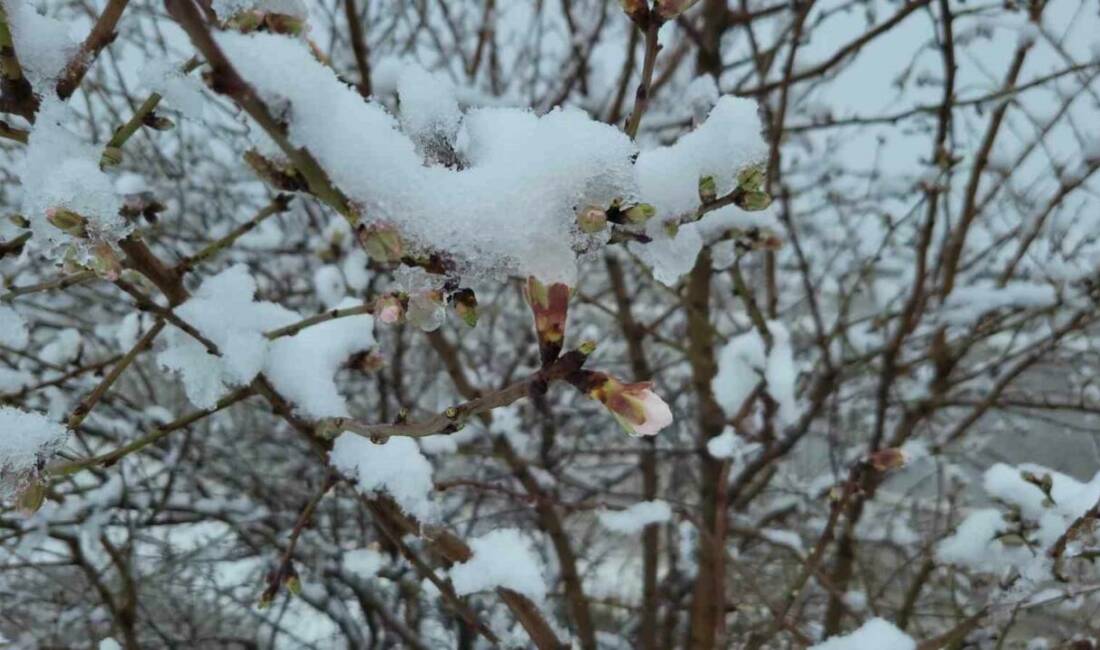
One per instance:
(887,459)
(158,122)
(20,221)
(754,201)
(68,221)
(751,178)
(640,213)
(31,498)
(708,189)
(246,21)
(105,261)
(389,308)
(668,9)
(592,220)
(111,157)
(464,302)
(284,24)
(381,242)
(637,10)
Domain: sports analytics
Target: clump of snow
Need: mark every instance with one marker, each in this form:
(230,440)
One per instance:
(328,284)
(966,304)
(13,329)
(511,209)
(355,270)
(730,446)
(429,109)
(501,558)
(226,9)
(42,43)
(26,440)
(745,361)
(59,170)
(224,311)
(363,563)
(396,468)
(876,633)
(178,91)
(63,349)
(978,542)
(317,353)
(636,517)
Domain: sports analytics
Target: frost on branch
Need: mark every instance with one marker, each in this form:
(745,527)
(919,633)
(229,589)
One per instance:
(26,441)
(502,558)
(66,197)
(396,468)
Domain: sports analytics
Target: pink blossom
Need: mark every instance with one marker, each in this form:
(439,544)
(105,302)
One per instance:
(637,408)
(390,314)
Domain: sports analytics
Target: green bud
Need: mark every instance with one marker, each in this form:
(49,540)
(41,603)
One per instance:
(68,221)
(31,498)
(587,347)
(640,213)
(592,220)
(708,189)
(112,157)
(20,221)
(751,179)
(294,585)
(754,201)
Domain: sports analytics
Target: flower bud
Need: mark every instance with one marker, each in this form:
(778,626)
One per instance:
(68,221)
(640,213)
(887,459)
(105,261)
(637,10)
(751,178)
(20,221)
(389,309)
(111,157)
(708,189)
(639,410)
(158,122)
(592,220)
(464,302)
(550,306)
(381,242)
(284,24)
(31,498)
(754,201)
(669,9)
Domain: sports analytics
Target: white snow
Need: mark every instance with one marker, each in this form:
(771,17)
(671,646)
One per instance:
(178,91)
(25,439)
(501,558)
(363,563)
(875,634)
(63,348)
(636,517)
(13,329)
(317,353)
(59,170)
(224,311)
(396,468)
(42,43)
(966,304)
(328,284)
(744,361)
